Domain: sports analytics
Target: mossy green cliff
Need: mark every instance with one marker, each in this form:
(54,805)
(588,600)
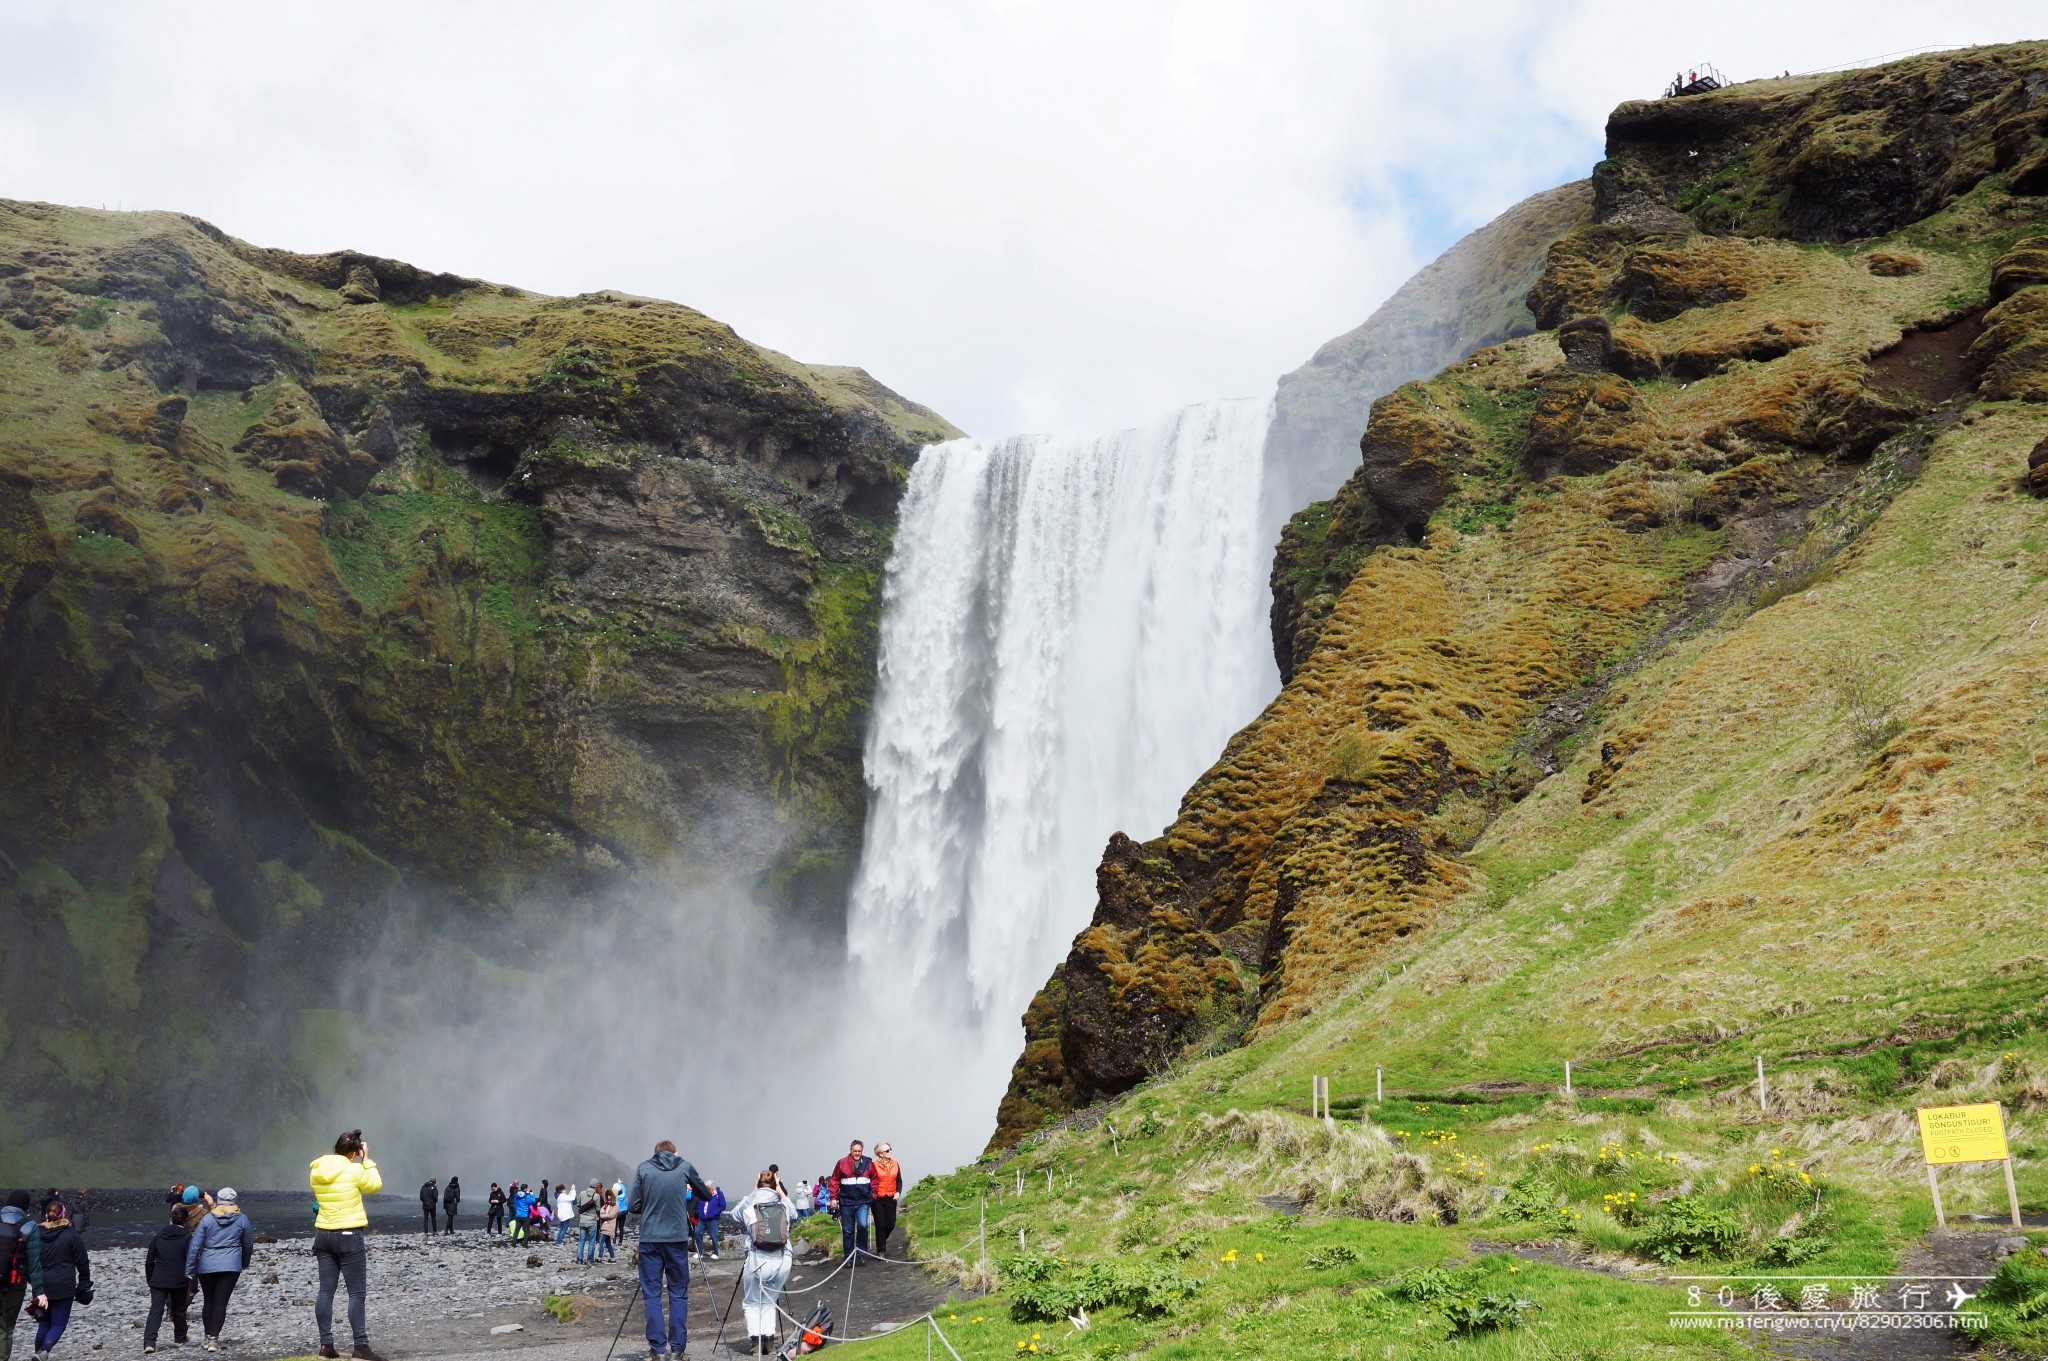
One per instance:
(329,584)
(1794,298)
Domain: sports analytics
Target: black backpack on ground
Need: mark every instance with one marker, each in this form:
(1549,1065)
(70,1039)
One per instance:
(814,1332)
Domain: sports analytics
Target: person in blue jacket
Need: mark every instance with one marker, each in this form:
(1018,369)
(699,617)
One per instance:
(217,1256)
(708,1212)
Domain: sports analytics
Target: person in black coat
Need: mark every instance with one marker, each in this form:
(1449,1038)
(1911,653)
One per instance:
(430,1201)
(451,1200)
(494,1220)
(163,1267)
(67,1276)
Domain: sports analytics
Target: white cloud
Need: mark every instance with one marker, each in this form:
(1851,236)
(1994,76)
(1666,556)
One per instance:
(1030,215)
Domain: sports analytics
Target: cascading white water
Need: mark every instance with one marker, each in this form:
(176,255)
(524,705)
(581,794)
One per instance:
(1072,628)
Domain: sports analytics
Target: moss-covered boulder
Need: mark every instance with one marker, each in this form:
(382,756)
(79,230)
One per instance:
(1411,450)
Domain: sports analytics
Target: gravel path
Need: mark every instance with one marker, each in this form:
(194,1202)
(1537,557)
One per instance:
(435,1297)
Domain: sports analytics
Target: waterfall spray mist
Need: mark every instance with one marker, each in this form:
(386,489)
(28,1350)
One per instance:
(1072,629)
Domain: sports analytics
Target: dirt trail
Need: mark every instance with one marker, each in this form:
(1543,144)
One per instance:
(881,1293)
(1946,1261)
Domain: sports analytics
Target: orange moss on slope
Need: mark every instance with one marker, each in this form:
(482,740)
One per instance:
(1719,396)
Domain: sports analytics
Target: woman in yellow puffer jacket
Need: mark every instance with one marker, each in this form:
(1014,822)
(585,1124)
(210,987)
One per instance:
(340,1181)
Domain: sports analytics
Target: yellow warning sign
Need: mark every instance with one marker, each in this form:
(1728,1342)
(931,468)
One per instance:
(1963,1134)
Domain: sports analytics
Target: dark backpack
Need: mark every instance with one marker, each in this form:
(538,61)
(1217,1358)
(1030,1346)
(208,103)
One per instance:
(770,1230)
(14,1255)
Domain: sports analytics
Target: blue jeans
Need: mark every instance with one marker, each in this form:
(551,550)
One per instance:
(563,1236)
(853,1228)
(586,1244)
(604,1248)
(53,1324)
(672,1261)
(705,1226)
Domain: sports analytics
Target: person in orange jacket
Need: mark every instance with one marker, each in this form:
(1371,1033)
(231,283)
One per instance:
(888,1184)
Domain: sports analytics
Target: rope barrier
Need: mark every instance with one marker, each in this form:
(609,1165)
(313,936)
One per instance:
(941,1196)
(871,1337)
(820,1284)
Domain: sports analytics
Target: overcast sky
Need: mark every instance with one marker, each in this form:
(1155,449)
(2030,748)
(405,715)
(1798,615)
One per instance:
(1029,214)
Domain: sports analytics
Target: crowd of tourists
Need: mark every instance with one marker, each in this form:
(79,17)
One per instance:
(207,1241)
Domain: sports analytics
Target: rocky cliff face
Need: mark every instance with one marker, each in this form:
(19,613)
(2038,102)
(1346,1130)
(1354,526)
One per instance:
(330,585)
(1470,296)
(1788,290)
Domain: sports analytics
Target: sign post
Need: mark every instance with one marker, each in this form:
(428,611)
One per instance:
(1966,1134)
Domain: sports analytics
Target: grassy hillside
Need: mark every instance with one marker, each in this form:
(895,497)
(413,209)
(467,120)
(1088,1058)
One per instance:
(1665,699)
(1824,846)
(337,597)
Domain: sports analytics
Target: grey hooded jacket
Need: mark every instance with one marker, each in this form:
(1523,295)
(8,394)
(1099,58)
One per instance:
(661,1197)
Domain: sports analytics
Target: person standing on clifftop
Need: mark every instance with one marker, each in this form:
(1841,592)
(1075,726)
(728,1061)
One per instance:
(494,1215)
(340,1180)
(662,1187)
(430,1201)
(451,1201)
(21,1267)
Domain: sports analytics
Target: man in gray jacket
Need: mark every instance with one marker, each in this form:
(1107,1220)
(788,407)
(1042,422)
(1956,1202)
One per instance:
(661,1197)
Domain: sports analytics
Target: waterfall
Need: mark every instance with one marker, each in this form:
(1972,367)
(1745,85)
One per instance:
(1072,628)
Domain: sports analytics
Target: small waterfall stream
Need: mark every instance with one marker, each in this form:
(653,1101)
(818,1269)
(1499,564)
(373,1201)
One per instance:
(1072,628)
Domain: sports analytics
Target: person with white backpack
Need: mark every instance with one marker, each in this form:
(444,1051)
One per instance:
(766,1216)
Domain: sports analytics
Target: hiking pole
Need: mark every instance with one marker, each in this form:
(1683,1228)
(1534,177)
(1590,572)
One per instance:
(727,1315)
(622,1322)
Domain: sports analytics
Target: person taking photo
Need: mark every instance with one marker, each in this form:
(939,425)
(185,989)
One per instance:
(340,1180)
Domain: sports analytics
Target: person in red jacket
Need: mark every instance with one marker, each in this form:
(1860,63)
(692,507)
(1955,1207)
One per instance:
(853,1190)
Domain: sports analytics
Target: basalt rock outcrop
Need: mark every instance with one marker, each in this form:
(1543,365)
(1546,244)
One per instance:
(1472,295)
(1788,288)
(337,593)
